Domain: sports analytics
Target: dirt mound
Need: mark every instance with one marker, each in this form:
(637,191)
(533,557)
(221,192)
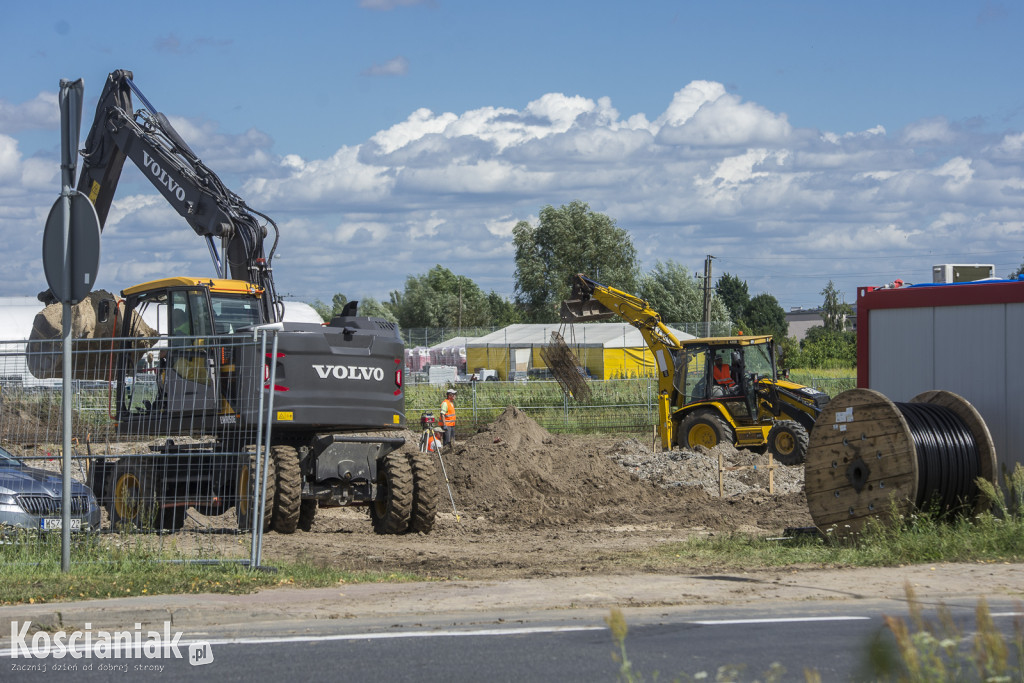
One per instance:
(516,472)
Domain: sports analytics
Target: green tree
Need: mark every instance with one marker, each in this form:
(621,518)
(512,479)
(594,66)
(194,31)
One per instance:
(833,311)
(734,295)
(440,299)
(568,240)
(503,311)
(1017,273)
(764,315)
(371,308)
(823,348)
(789,354)
(677,296)
(368,306)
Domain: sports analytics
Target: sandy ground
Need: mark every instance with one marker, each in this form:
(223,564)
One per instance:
(520,502)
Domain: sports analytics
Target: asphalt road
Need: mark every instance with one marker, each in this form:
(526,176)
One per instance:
(537,645)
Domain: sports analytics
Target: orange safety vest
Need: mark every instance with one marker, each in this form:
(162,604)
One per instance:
(433,443)
(723,375)
(448,413)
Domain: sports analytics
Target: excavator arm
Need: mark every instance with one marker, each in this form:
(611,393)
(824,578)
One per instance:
(196,192)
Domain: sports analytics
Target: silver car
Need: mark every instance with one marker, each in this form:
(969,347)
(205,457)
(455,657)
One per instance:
(31,498)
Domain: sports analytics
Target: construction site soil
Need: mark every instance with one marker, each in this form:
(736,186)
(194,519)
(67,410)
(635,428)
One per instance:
(528,503)
(516,501)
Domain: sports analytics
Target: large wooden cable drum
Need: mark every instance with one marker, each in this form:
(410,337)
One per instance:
(868,454)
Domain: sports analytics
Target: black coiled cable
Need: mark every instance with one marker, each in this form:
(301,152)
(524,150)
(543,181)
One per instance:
(947,455)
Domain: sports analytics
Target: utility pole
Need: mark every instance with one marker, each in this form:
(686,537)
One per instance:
(707,295)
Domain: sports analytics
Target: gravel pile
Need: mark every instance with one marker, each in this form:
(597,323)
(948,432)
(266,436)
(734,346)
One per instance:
(700,467)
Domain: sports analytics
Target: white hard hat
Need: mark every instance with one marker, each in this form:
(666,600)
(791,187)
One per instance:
(452,391)
(439,429)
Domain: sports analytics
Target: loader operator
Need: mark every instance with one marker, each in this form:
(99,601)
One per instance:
(723,376)
(448,416)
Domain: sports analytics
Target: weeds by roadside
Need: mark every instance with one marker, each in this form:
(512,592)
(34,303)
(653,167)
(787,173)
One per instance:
(921,651)
(722,674)
(924,650)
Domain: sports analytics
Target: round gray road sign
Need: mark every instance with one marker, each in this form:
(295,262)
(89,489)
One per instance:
(72,284)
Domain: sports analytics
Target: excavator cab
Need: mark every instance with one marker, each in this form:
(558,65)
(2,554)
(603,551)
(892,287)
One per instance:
(186,371)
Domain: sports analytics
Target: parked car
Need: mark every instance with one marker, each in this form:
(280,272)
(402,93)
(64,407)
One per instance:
(31,498)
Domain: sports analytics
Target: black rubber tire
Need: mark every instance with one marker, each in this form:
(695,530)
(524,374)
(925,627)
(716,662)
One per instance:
(288,495)
(307,513)
(788,440)
(133,503)
(704,428)
(247,488)
(391,509)
(425,492)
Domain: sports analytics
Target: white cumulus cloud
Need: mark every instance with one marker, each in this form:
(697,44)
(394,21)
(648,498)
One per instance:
(41,112)
(787,208)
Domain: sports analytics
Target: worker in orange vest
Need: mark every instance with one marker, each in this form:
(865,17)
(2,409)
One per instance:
(723,375)
(448,416)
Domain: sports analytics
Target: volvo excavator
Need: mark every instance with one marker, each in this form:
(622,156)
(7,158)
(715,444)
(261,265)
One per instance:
(711,390)
(338,400)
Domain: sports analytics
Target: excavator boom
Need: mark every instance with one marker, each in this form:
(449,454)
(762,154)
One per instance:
(196,192)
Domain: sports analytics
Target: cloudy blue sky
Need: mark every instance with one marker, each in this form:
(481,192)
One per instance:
(797,142)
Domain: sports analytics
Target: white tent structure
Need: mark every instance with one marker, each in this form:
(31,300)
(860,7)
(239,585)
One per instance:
(606,350)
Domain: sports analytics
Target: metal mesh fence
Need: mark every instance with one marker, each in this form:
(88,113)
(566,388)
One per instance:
(164,440)
(615,405)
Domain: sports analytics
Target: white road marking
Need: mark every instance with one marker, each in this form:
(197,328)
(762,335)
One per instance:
(776,620)
(258,640)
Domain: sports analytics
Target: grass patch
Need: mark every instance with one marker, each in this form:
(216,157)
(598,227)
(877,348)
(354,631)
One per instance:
(30,572)
(918,539)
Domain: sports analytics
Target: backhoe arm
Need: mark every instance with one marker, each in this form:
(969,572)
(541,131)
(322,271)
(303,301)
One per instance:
(196,193)
(594,301)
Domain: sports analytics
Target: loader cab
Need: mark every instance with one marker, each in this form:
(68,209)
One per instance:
(724,370)
(183,373)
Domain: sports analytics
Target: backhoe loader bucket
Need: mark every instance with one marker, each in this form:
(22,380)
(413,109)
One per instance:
(584,310)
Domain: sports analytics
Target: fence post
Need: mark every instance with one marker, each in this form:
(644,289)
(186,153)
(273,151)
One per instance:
(565,409)
(649,415)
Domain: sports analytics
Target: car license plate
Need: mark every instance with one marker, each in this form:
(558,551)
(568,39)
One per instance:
(54,523)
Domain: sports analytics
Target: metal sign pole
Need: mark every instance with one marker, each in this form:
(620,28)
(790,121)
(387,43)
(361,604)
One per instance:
(71,116)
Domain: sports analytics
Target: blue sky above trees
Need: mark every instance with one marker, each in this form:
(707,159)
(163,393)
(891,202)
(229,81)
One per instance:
(797,142)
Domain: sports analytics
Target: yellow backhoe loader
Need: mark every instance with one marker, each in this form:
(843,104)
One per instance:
(713,389)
